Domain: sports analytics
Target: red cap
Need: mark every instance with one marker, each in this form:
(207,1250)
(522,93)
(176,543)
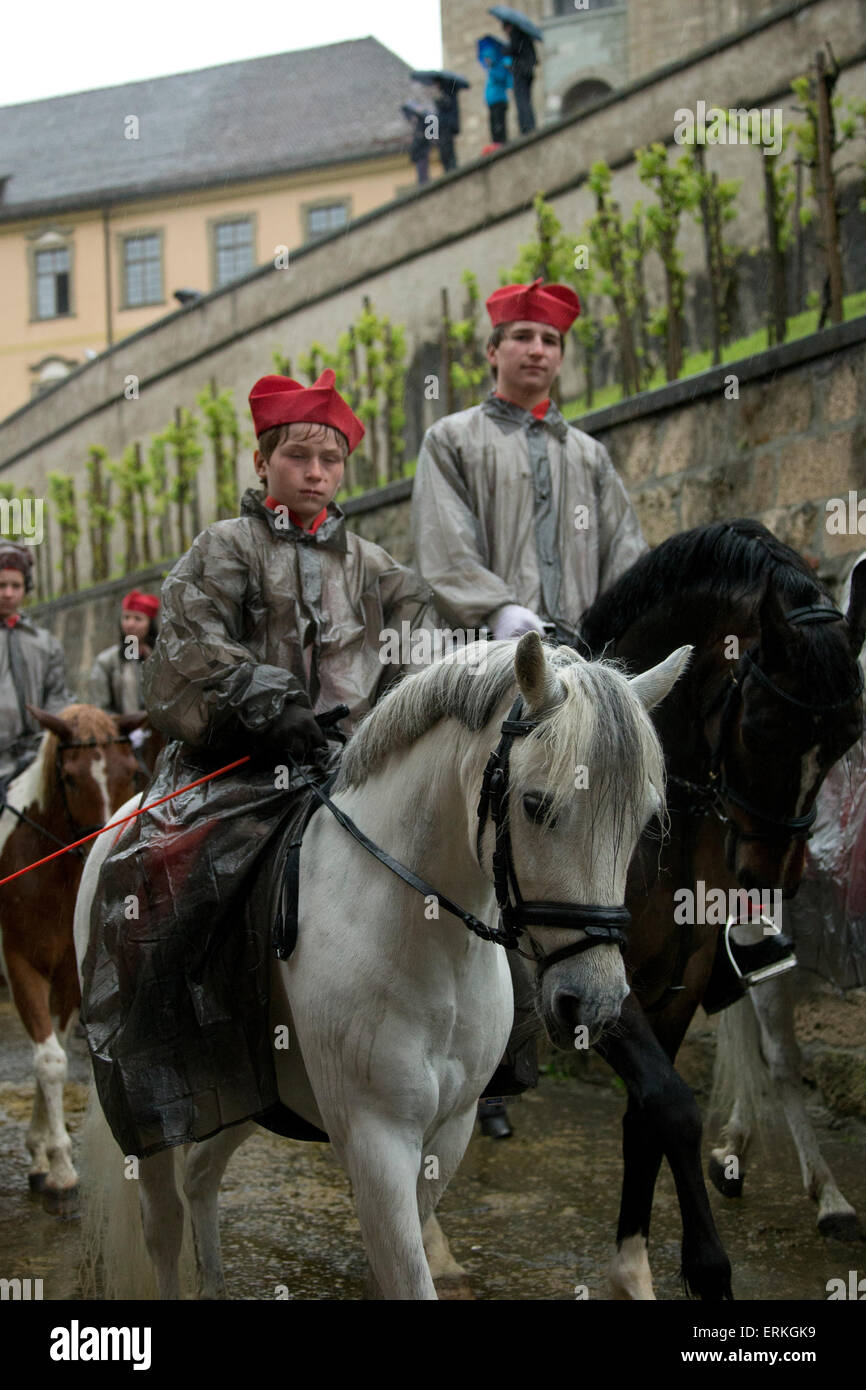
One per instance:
(136,602)
(277,400)
(557,305)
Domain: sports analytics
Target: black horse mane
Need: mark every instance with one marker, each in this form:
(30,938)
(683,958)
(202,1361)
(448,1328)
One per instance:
(726,561)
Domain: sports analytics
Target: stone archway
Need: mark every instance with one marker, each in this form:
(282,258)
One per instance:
(583,93)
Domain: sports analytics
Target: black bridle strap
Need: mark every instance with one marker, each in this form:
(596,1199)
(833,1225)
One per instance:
(608,923)
(7,806)
(764,679)
(407,875)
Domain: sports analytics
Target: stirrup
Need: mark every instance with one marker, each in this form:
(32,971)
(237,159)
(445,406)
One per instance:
(775,955)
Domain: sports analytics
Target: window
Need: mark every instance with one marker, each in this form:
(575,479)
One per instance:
(326,217)
(48,372)
(234,251)
(52,283)
(142,270)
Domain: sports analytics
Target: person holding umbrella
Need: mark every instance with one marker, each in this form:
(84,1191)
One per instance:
(445,86)
(521,31)
(419,148)
(494,56)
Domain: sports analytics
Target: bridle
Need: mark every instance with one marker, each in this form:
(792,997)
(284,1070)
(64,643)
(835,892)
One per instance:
(600,924)
(710,799)
(62,777)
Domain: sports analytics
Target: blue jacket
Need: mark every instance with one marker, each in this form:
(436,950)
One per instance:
(499,80)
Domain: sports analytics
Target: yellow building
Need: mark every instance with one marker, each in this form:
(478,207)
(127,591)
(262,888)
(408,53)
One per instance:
(112,201)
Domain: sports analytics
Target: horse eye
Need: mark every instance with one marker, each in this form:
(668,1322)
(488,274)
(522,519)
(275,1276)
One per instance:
(537,807)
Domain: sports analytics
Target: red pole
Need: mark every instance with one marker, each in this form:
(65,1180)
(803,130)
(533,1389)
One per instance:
(123,820)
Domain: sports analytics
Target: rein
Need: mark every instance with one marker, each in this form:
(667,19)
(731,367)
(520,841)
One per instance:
(600,924)
(61,779)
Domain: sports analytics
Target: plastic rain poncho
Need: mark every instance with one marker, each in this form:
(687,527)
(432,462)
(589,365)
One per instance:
(176,979)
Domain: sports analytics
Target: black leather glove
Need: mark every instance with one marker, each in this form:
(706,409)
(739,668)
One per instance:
(295,732)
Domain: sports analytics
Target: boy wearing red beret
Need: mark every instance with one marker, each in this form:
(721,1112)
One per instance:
(518,518)
(267,619)
(115,678)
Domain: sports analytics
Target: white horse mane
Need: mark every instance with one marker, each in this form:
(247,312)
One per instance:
(600,723)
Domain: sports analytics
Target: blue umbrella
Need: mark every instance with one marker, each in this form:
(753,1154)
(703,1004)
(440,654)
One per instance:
(430,75)
(489,47)
(518,19)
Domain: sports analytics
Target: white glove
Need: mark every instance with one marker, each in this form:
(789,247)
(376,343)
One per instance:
(512,621)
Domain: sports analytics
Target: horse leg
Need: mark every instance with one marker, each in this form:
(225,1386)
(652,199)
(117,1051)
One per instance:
(447,1148)
(662,1119)
(450,1278)
(37,1143)
(774,1007)
(162,1220)
(727,1166)
(50,1142)
(383,1163)
(203,1172)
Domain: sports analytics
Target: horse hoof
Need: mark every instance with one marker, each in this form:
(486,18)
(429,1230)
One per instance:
(729,1187)
(496,1126)
(61,1202)
(841,1225)
(36,1182)
(454,1287)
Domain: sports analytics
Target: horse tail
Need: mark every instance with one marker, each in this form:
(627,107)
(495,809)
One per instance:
(114,1262)
(740,1072)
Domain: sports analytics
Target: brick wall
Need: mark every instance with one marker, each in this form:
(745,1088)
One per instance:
(795,437)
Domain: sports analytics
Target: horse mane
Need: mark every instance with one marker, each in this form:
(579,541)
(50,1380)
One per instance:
(726,561)
(598,724)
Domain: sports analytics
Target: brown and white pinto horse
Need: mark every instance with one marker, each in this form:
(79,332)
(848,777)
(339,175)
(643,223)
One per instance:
(83,771)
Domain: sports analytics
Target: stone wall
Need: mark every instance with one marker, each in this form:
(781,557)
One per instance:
(402,255)
(794,437)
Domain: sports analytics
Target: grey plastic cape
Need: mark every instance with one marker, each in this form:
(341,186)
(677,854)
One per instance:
(510,509)
(176,979)
(38,658)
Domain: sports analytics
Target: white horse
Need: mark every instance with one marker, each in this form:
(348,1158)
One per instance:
(397,1015)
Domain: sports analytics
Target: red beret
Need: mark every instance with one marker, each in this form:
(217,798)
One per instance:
(557,305)
(136,602)
(277,400)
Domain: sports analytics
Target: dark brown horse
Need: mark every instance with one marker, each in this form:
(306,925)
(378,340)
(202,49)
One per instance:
(771,700)
(83,771)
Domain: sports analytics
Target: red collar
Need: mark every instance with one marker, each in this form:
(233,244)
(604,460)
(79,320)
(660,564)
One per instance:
(539,411)
(13,620)
(272,504)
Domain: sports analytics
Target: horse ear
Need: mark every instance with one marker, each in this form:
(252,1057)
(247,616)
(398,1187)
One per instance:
(127,722)
(652,686)
(539,685)
(856,615)
(53,723)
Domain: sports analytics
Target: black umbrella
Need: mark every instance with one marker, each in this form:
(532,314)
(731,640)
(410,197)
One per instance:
(430,75)
(518,19)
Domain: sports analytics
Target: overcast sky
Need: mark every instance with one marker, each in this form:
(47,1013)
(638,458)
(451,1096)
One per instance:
(53,46)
